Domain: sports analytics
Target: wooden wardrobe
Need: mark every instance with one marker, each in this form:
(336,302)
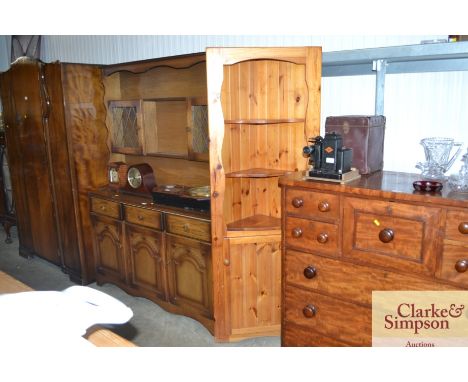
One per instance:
(56,137)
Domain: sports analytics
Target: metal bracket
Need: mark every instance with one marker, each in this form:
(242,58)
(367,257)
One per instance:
(380,68)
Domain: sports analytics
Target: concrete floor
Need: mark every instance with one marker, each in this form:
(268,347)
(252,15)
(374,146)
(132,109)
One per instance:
(150,325)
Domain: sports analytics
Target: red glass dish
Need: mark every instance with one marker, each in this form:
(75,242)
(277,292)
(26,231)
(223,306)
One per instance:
(427,186)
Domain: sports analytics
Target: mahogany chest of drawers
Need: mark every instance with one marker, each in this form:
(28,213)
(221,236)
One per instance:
(341,242)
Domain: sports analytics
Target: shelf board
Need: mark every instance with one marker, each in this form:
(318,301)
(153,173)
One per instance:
(257,173)
(263,121)
(255,223)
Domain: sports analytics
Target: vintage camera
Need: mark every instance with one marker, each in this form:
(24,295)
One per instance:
(327,156)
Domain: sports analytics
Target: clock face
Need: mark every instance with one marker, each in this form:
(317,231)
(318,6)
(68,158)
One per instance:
(113,175)
(134,177)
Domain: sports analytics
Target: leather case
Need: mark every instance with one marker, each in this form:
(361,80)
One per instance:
(365,135)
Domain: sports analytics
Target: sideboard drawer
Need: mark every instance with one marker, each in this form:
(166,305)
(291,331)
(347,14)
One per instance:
(311,235)
(312,204)
(333,318)
(194,228)
(389,234)
(457,225)
(454,265)
(348,281)
(144,217)
(106,207)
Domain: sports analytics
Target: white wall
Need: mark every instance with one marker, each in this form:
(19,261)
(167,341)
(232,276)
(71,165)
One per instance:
(416,105)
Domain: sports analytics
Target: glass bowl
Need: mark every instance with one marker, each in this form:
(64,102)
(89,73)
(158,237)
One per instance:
(427,186)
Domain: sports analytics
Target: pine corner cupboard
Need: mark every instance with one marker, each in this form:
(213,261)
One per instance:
(57,151)
(264,104)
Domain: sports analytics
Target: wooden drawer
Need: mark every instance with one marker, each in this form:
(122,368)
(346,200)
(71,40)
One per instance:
(349,281)
(394,235)
(457,225)
(144,217)
(106,207)
(333,318)
(189,227)
(312,236)
(451,260)
(295,335)
(313,204)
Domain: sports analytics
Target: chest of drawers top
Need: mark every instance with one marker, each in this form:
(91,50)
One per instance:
(382,185)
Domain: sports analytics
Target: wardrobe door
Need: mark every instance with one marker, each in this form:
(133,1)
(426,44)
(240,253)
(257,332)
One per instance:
(29,160)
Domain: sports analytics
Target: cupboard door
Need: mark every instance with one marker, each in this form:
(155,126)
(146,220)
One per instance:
(146,260)
(190,275)
(108,249)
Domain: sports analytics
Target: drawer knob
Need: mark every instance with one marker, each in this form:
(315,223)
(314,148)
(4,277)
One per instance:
(310,272)
(297,202)
(140,218)
(386,235)
(322,238)
(463,228)
(297,232)
(103,208)
(309,311)
(324,206)
(186,227)
(461,266)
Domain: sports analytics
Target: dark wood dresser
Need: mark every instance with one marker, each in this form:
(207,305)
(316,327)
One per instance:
(155,251)
(341,242)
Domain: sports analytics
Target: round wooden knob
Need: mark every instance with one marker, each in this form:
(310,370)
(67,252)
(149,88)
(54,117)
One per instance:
(323,206)
(386,235)
(297,202)
(463,228)
(297,232)
(140,217)
(309,311)
(322,238)
(226,262)
(461,266)
(310,272)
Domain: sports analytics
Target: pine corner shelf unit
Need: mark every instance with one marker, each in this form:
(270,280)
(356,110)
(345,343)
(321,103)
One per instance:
(263,106)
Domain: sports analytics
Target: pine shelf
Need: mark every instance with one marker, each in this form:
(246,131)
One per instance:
(255,223)
(257,173)
(264,121)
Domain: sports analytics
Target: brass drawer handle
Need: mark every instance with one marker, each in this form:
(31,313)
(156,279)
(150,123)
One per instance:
(463,228)
(310,272)
(103,208)
(297,232)
(323,206)
(309,311)
(386,235)
(322,238)
(461,266)
(297,202)
(140,218)
(186,227)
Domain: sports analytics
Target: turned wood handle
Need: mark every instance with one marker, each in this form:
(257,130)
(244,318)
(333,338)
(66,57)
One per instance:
(297,202)
(297,232)
(310,272)
(309,311)
(324,206)
(461,266)
(322,238)
(386,235)
(463,228)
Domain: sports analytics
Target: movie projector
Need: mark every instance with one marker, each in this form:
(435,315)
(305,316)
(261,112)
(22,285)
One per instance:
(329,160)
